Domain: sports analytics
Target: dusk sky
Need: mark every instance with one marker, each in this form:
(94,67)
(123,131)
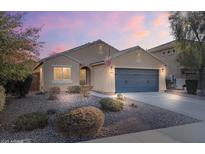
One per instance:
(64,30)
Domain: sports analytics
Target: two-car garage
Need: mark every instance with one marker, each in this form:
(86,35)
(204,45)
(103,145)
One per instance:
(136,80)
(132,70)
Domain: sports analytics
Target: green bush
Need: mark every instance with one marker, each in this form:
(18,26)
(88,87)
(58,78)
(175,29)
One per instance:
(31,121)
(2,98)
(110,104)
(81,122)
(74,89)
(191,86)
(24,86)
(19,88)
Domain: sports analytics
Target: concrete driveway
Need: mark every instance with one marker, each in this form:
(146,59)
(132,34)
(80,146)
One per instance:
(184,133)
(188,106)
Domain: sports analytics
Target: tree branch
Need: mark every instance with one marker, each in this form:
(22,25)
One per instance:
(196,33)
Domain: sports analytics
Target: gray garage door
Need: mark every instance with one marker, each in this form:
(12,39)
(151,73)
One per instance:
(136,80)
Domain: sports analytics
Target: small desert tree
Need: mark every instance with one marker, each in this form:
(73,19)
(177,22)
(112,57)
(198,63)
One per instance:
(188,28)
(18,45)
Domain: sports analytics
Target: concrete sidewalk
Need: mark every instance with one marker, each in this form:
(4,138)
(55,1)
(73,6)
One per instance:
(189,133)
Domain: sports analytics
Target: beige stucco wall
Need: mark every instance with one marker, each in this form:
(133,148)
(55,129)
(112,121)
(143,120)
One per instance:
(173,67)
(47,69)
(91,53)
(85,56)
(103,78)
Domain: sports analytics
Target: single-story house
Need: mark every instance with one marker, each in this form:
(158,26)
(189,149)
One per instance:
(104,67)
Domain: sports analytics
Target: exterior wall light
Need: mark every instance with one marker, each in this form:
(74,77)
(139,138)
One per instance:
(111,69)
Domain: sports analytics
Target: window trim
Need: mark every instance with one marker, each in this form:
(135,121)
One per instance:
(62,80)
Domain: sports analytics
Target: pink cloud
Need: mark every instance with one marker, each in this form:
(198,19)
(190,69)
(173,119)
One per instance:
(161,19)
(60,48)
(57,22)
(136,22)
(136,26)
(142,34)
(93,33)
(112,19)
(164,34)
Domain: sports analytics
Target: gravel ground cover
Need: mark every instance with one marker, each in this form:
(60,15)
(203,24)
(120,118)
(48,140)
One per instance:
(130,119)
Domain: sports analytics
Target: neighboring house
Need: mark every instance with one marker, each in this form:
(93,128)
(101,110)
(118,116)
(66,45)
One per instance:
(167,53)
(130,70)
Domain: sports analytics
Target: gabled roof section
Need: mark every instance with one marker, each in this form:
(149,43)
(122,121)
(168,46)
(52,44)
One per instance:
(164,46)
(156,58)
(138,48)
(78,48)
(122,52)
(67,52)
(89,44)
(126,51)
(59,54)
(45,59)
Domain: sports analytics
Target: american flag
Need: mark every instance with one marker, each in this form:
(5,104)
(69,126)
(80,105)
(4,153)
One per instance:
(108,61)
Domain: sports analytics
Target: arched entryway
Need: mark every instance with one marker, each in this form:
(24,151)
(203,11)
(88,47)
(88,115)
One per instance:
(85,75)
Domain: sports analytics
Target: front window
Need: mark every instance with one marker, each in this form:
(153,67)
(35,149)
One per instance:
(62,73)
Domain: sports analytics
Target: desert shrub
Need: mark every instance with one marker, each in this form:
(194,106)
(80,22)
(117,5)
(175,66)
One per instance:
(2,98)
(31,121)
(74,89)
(52,93)
(51,111)
(110,104)
(19,88)
(191,86)
(55,90)
(81,122)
